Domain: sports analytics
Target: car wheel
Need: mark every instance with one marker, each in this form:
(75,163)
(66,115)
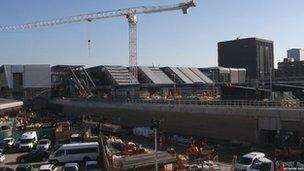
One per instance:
(56,163)
(44,159)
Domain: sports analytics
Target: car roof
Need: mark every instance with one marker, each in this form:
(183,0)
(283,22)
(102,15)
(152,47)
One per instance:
(79,144)
(8,138)
(46,166)
(265,160)
(75,135)
(91,162)
(71,165)
(253,154)
(28,134)
(44,139)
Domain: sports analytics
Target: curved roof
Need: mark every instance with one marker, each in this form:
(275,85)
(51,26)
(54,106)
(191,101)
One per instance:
(9,104)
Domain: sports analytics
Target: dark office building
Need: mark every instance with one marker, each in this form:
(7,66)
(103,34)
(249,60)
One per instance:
(253,54)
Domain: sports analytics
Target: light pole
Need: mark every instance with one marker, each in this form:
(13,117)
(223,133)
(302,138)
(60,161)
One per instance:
(213,82)
(155,126)
(155,147)
(174,86)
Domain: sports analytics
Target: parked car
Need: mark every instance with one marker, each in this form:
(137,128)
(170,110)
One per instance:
(48,167)
(2,157)
(75,153)
(28,140)
(262,164)
(3,147)
(9,141)
(17,143)
(92,166)
(24,167)
(6,169)
(71,167)
(247,160)
(44,144)
(33,156)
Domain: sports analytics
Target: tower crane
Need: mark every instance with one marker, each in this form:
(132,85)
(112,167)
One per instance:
(129,13)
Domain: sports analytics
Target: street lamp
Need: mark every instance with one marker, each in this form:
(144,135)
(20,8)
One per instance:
(155,126)
(174,86)
(213,82)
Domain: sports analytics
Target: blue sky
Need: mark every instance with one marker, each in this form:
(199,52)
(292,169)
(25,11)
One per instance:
(169,38)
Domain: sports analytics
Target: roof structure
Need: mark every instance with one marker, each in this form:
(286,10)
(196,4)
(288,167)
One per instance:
(119,75)
(66,67)
(190,75)
(9,105)
(155,75)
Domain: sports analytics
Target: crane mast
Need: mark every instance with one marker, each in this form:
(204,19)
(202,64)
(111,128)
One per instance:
(129,13)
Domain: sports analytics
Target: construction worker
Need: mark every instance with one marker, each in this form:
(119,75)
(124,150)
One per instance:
(234,161)
(193,151)
(281,166)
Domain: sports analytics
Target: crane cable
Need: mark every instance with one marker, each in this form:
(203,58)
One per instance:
(88,38)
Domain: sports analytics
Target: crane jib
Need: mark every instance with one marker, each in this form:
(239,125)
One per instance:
(99,15)
(129,13)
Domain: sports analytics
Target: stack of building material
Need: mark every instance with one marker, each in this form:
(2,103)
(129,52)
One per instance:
(146,160)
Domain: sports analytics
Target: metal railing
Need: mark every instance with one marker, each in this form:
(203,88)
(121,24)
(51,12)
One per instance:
(225,103)
(290,104)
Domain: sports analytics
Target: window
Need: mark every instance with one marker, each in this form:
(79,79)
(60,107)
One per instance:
(59,153)
(82,150)
(92,167)
(245,161)
(26,141)
(43,142)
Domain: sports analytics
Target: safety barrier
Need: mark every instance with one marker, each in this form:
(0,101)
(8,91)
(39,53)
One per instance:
(226,103)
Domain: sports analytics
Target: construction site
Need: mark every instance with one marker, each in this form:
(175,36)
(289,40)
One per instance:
(240,115)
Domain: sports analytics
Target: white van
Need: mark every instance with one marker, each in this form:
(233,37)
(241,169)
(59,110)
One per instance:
(28,140)
(262,164)
(247,160)
(75,152)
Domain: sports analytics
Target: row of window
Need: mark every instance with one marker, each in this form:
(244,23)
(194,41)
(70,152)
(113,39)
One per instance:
(78,151)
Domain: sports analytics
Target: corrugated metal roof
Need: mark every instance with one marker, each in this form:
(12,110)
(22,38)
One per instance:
(201,75)
(8,104)
(121,75)
(182,76)
(156,75)
(191,75)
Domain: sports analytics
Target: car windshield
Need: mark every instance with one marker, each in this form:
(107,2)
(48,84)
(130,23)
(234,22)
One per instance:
(7,140)
(70,169)
(92,166)
(245,161)
(26,141)
(43,142)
